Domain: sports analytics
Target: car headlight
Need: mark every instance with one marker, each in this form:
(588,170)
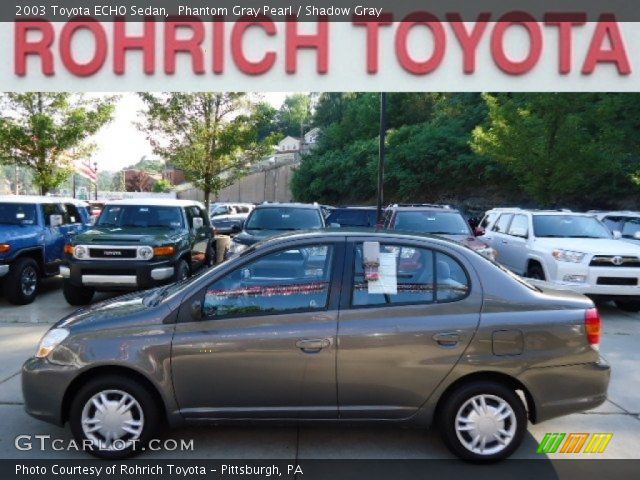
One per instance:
(145,253)
(51,340)
(80,252)
(568,256)
(236,247)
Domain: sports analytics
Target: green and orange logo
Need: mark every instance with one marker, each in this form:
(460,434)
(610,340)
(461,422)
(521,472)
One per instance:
(574,442)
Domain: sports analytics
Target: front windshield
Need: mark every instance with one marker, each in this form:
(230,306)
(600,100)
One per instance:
(17,214)
(568,226)
(124,216)
(443,223)
(284,218)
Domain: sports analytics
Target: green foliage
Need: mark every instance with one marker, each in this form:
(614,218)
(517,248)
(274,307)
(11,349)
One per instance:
(46,132)
(294,115)
(565,149)
(162,186)
(213,136)
(149,165)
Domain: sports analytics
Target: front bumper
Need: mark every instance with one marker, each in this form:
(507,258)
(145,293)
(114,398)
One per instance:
(598,281)
(132,275)
(4,269)
(566,389)
(43,387)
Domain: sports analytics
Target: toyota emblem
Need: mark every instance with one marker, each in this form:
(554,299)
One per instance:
(617,261)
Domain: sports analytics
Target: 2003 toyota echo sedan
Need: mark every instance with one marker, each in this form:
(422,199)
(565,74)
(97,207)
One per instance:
(296,329)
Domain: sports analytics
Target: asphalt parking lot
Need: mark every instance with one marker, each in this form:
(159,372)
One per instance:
(21,328)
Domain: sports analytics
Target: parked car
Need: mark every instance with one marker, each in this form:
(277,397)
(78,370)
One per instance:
(228,219)
(135,245)
(445,337)
(33,232)
(570,250)
(353,216)
(269,219)
(625,225)
(435,220)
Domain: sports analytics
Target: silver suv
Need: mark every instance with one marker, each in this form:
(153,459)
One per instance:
(570,250)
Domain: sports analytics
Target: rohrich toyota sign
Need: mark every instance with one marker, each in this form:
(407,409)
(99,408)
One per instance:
(422,51)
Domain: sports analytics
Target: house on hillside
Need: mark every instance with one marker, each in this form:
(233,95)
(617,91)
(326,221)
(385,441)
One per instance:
(174,175)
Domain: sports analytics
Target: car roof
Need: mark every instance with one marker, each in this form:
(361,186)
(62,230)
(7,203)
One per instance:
(40,199)
(310,206)
(538,212)
(155,202)
(620,213)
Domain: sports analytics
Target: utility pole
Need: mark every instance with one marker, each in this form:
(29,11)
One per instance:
(95,169)
(381,152)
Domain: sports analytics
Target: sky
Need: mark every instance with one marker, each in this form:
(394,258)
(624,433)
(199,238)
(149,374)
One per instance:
(120,143)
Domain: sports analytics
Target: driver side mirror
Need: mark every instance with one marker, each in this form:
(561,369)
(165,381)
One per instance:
(617,234)
(637,235)
(55,220)
(334,225)
(198,223)
(236,228)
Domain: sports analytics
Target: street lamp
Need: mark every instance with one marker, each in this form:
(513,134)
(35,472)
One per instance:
(95,169)
(383,133)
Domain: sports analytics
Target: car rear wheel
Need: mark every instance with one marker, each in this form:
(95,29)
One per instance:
(536,272)
(628,305)
(114,416)
(77,296)
(483,421)
(23,281)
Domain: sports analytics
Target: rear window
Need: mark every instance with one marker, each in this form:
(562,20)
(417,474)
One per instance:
(350,217)
(443,223)
(284,218)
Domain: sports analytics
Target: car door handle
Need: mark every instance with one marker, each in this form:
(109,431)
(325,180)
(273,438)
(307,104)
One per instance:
(448,339)
(313,345)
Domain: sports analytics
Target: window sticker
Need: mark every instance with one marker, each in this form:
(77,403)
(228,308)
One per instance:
(387,282)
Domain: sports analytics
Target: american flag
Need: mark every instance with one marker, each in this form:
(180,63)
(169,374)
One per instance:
(84,170)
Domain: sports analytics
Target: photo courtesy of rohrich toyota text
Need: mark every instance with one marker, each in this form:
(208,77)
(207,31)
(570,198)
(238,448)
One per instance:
(320,240)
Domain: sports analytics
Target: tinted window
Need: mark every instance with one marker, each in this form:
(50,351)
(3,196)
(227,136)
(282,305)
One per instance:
(50,209)
(17,214)
(140,216)
(519,226)
(351,217)
(286,281)
(631,227)
(284,218)
(71,214)
(446,223)
(422,276)
(502,223)
(568,226)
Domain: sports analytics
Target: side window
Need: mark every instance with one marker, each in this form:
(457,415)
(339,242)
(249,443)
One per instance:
(486,221)
(519,226)
(502,223)
(286,281)
(71,214)
(415,274)
(50,209)
(189,213)
(452,281)
(202,214)
(612,223)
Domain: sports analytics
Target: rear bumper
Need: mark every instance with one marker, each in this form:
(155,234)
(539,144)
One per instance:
(132,275)
(4,269)
(566,389)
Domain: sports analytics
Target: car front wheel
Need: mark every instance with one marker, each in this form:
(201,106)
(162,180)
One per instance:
(22,283)
(483,421)
(114,417)
(77,296)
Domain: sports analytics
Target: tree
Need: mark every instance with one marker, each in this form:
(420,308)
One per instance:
(46,132)
(564,149)
(213,136)
(294,114)
(162,186)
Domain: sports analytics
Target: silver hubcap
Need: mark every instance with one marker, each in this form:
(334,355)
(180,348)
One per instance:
(29,281)
(112,420)
(485,424)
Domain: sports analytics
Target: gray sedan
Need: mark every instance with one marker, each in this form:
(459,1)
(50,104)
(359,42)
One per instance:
(328,326)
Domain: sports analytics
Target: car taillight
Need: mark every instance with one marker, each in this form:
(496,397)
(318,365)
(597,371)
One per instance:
(593,326)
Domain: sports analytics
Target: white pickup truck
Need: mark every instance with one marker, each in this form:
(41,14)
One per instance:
(569,250)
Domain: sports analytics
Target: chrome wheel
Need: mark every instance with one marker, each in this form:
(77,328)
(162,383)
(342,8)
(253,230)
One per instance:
(485,424)
(112,420)
(28,280)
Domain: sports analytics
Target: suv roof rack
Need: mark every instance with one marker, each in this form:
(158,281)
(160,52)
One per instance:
(428,205)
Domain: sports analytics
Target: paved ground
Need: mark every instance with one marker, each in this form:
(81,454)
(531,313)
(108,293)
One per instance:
(21,327)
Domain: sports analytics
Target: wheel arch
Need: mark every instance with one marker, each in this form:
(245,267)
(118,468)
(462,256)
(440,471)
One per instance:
(105,370)
(36,254)
(497,377)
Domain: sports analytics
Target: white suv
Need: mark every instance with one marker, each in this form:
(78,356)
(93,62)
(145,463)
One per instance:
(570,250)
